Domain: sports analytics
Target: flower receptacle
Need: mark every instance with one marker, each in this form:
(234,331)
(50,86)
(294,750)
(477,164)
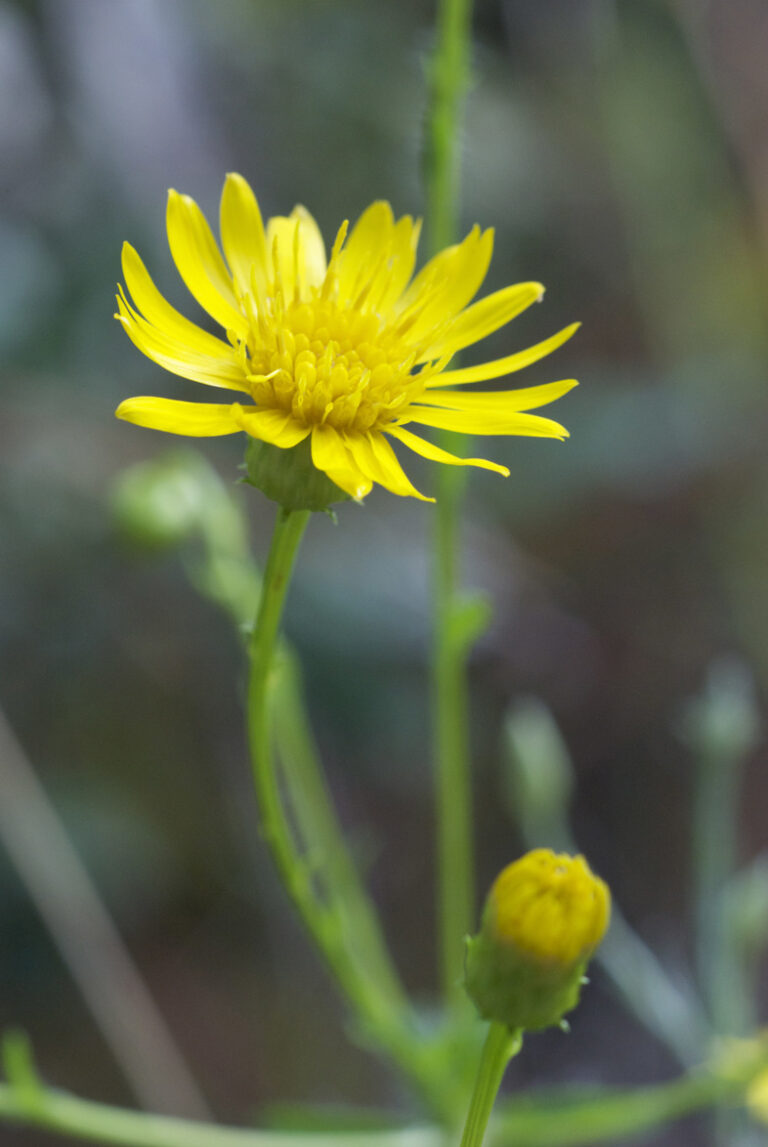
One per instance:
(289,477)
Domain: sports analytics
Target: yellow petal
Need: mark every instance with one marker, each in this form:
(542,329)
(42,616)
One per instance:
(273,426)
(369,243)
(174,355)
(194,419)
(397,272)
(330,455)
(436,454)
(282,246)
(158,311)
(448,283)
(508,365)
(483,318)
(376,458)
(480,422)
(242,234)
(498,402)
(313,263)
(432,273)
(200,264)
(297,253)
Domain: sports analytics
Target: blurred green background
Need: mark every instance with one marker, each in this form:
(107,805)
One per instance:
(620,150)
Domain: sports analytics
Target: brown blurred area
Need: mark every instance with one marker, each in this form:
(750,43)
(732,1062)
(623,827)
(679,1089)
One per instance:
(620,149)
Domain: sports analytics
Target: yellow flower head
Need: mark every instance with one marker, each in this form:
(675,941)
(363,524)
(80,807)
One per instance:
(543,919)
(346,352)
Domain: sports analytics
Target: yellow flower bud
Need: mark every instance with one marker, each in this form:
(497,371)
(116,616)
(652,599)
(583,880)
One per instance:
(543,919)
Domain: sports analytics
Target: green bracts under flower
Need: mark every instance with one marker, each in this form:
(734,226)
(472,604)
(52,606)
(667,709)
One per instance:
(289,477)
(543,919)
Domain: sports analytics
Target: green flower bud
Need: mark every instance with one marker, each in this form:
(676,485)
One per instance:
(158,504)
(543,919)
(289,477)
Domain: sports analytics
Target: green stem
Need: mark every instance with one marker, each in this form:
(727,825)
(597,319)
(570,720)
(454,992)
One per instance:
(552,1117)
(227,574)
(63,1114)
(448,77)
(500,1045)
(382,1014)
(448,81)
(289,529)
(316,819)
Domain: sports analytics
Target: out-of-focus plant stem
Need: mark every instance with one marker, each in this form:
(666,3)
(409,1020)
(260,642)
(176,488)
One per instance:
(722,726)
(380,1009)
(312,806)
(305,835)
(540,780)
(552,1118)
(715,818)
(448,79)
(88,941)
(226,573)
(25,1101)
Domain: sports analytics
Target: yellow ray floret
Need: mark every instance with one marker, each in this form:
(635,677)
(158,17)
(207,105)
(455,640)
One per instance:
(345,350)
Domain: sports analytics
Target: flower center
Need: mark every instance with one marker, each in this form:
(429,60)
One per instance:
(326,363)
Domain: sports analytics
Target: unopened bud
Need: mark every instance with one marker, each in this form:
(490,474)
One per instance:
(543,919)
(157,504)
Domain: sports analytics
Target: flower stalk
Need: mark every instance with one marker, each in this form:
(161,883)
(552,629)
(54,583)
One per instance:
(501,1044)
(381,1009)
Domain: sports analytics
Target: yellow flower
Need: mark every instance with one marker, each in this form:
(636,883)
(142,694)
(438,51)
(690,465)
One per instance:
(347,352)
(543,919)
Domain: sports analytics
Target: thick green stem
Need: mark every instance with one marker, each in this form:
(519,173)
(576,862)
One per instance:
(448,77)
(500,1045)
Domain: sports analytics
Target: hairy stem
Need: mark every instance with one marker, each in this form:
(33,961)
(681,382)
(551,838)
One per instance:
(448,78)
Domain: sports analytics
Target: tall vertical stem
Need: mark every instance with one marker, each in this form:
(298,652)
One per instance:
(448,81)
(448,77)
